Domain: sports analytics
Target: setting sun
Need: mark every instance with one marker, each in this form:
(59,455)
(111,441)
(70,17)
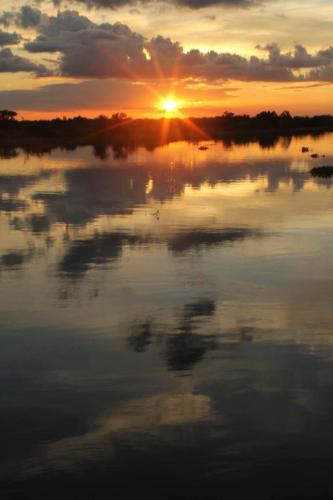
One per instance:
(170,105)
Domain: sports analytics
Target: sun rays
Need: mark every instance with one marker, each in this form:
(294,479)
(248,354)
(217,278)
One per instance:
(170,105)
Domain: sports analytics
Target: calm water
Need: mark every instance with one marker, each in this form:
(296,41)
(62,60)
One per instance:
(167,321)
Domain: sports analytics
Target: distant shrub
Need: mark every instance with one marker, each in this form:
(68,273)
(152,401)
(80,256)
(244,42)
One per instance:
(324,171)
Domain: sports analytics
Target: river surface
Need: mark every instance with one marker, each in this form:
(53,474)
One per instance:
(166,320)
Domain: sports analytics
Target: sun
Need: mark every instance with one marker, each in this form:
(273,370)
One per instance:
(170,105)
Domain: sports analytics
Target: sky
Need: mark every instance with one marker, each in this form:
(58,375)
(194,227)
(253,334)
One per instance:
(91,57)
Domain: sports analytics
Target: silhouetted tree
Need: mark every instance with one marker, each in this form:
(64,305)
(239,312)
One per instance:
(6,114)
(268,117)
(286,116)
(119,116)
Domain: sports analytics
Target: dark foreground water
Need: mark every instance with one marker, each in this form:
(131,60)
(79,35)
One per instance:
(166,322)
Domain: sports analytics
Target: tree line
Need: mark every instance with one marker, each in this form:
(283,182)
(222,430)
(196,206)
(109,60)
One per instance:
(120,127)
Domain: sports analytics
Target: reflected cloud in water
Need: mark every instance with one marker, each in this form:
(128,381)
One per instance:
(165,313)
(183,344)
(105,248)
(12,205)
(99,250)
(186,346)
(15,260)
(197,238)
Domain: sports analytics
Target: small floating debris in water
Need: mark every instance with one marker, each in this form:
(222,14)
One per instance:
(305,149)
(202,148)
(314,155)
(325,171)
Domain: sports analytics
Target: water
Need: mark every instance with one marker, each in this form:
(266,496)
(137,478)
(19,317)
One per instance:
(166,320)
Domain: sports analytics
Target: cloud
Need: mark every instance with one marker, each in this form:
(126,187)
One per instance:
(7,17)
(29,17)
(199,4)
(25,17)
(90,50)
(9,38)
(113,50)
(12,63)
(299,58)
(101,96)
(191,4)
(305,86)
(323,74)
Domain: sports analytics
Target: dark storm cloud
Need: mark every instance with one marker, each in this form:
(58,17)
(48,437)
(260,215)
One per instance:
(9,38)
(12,63)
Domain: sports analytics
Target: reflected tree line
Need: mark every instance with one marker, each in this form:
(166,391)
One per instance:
(122,150)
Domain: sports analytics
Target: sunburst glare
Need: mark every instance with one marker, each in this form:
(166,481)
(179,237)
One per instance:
(170,105)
